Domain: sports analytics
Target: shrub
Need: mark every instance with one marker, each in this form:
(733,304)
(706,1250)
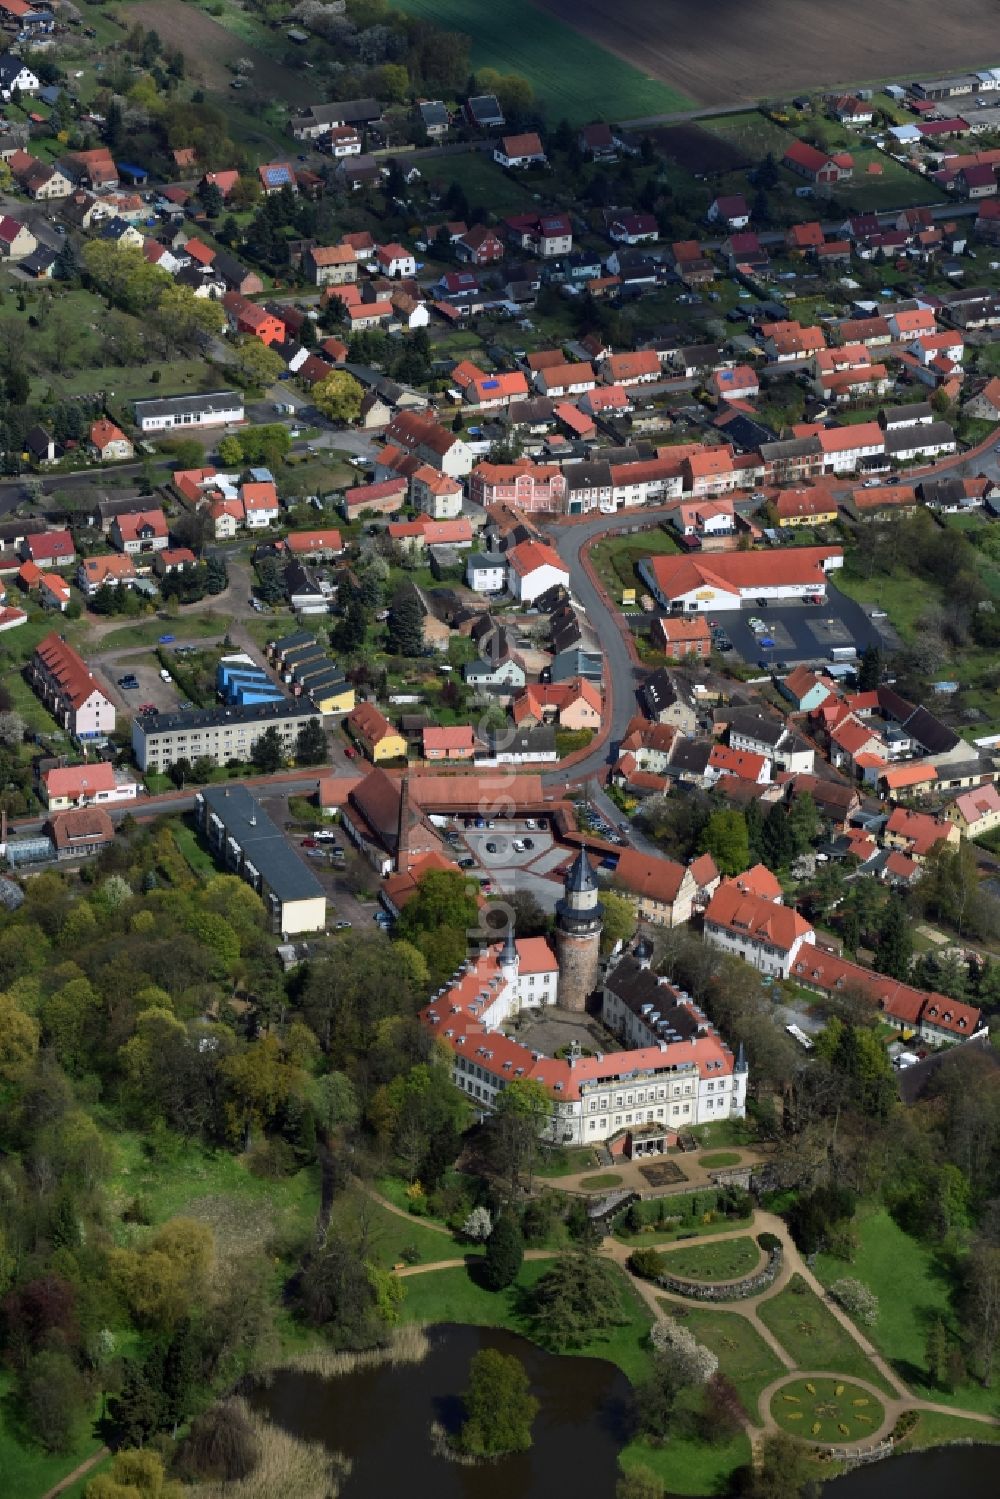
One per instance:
(272,1159)
(691,1361)
(857,1299)
(768,1242)
(221,1446)
(647,1263)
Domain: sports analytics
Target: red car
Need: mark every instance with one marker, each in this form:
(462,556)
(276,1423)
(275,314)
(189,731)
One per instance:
(309,843)
(350,753)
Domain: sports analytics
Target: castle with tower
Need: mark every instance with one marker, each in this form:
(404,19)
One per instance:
(673,1069)
(579,923)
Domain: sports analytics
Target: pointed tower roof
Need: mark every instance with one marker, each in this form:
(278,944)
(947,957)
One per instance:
(509,953)
(741,1059)
(581,876)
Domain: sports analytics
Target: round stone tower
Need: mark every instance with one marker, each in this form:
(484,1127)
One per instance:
(579,921)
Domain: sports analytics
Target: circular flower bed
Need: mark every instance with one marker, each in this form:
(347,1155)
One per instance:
(827,1410)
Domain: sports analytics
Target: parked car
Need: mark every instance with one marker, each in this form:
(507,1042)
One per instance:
(342,926)
(309,843)
(167,639)
(326,835)
(491,848)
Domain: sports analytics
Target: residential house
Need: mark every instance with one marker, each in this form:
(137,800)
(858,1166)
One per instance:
(546,235)
(976,812)
(374,734)
(524,150)
(48,549)
(664,892)
(918,834)
(633,228)
(765,934)
(80,834)
(434,117)
(805,690)
(730,212)
(479,245)
(679,637)
(484,112)
(84,785)
(667,702)
(805,505)
(486,572)
(331,265)
(16,77)
(395,261)
(574,704)
(260,504)
(16,239)
(533,567)
(108,442)
(597,141)
(106,570)
(418,433)
(69,690)
(457,743)
(141,532)
(819,167)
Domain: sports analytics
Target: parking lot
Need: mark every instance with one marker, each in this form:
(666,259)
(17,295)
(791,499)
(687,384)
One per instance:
(804,632)
(511,870)
(151,688)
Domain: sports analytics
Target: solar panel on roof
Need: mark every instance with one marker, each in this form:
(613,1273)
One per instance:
(490,384)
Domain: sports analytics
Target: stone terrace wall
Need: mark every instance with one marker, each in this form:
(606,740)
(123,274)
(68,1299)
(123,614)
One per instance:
(727,1290)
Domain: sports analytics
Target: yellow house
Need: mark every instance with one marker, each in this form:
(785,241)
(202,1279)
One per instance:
(338,698)
(811,505)
(375,734)
(975,812)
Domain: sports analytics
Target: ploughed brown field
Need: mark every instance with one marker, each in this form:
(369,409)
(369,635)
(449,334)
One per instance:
(208,49)
(733,50)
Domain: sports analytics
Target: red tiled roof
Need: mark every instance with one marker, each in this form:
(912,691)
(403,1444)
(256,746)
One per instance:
(750,916)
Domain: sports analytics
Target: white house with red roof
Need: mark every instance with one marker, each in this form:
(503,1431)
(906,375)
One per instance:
(533,567)
(762,932)
(143,531)
(520,150)
(84,785)
(16,239)
(731,212)
(49,549)
(69,689)
(395,261)
(108,442)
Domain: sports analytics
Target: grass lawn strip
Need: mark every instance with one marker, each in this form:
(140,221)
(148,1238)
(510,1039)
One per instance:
(452,1296)
(717,1160)
(813,1337)
(827,1410)
(912,1289)
(742,1353)
(601,1182)
(730,1259)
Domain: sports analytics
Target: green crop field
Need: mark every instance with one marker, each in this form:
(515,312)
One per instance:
(574,78)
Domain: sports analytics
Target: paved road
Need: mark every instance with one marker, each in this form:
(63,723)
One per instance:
(620,675)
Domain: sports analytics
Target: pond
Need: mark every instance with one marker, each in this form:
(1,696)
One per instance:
(969,1471)
(381,1417)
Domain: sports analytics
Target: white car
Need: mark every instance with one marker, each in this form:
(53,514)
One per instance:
(756,624)
(324,835)
(519,846)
